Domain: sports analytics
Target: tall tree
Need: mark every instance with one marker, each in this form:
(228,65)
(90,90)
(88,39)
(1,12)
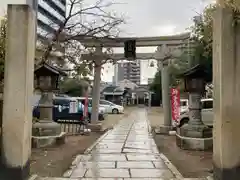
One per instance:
(82,20)
(156,85)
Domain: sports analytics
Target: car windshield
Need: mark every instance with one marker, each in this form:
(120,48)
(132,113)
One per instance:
(183,103)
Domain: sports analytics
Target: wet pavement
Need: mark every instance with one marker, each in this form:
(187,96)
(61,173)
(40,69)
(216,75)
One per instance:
(126,152)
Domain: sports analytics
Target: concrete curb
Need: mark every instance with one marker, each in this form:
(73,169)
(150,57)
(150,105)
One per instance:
(171,167)
(33,177)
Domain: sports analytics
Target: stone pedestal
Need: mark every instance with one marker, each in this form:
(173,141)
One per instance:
(18,91)
(194,135)
(46,132)
(226,73)
(190,137)
(163,130)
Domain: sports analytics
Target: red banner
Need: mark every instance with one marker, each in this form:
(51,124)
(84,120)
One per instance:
(175,104)
(86,105)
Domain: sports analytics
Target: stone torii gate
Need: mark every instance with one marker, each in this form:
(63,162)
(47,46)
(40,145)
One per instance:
(166,45)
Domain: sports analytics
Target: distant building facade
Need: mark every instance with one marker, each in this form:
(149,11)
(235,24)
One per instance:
(51,13)
(130,71)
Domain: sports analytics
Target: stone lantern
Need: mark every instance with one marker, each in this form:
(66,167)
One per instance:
(46,78)
(46,81)
(194,135)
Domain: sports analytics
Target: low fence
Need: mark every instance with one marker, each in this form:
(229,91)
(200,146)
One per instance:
(71,127)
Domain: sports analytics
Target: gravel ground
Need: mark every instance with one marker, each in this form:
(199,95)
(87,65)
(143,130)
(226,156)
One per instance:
(54,161)
(191,164)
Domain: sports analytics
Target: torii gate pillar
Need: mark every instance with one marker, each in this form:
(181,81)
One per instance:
(226,73)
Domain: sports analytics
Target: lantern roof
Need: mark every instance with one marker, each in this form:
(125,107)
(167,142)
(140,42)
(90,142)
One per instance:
(197,71)
(47,69)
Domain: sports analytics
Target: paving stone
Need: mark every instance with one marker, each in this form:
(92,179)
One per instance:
(99,165)
(127,152)
(110,145)
(143,157)
(151,173)
(78,173)
(147,179)
(113,141)
(51,178)
(138,146)
(107,151)
(116,137)
(107,157)
(102,179)
(135,164)
(146,142)
(133,150)
(105,173)
(159,164)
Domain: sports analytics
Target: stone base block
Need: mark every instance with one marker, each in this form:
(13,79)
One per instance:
(44,141)
(195,131)
(95,127)
(226,173)
(46,128)
(163,130)
(9,172)
(199,144)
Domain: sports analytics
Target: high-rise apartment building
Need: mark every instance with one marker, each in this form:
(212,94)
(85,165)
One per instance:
(51,13)
(130,71)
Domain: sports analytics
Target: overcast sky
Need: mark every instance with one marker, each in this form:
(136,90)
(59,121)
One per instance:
(156,18)
(150,18)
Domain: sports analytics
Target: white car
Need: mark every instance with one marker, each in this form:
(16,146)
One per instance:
(111,107)
(183,105)
(207,113)
(100,109)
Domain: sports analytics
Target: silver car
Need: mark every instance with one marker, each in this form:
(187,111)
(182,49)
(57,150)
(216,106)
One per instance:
(207,113)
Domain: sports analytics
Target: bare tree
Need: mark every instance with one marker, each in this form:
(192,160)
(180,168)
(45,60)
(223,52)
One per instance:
(94,20)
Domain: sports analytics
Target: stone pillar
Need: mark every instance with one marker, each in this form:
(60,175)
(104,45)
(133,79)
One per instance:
(96,86)
(18,91)
(166,95)
(226,73)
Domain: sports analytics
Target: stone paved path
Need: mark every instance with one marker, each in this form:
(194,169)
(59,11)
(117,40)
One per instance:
(126,152)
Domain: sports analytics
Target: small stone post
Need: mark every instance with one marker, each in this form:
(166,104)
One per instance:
(18,91)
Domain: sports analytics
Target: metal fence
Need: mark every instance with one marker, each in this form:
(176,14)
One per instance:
(71,127)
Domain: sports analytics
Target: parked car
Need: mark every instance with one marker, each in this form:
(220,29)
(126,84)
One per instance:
(183,105)
(101,110)
(61,107)
(111,107)
(207,113)
(108,106)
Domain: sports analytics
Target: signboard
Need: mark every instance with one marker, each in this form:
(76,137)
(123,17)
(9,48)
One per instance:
(130,49)
(175,104)
(73,108)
